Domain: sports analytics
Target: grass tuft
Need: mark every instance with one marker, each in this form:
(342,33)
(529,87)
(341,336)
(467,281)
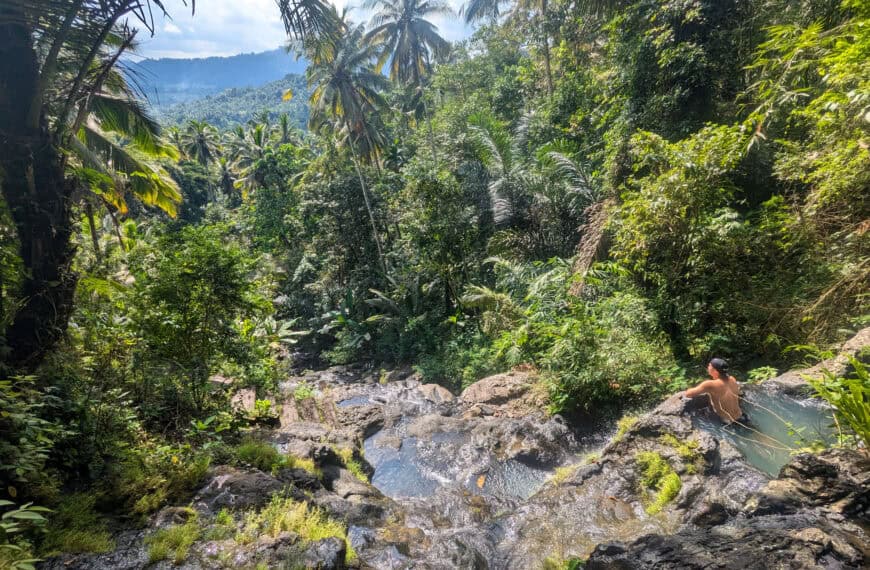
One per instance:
(75,527)
(173,542)
(265,457)
(353,465)
(283,514)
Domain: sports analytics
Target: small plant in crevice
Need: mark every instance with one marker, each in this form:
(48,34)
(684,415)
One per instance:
(624,424)
(657,476)
(687,450)
(346,454)
(303,391)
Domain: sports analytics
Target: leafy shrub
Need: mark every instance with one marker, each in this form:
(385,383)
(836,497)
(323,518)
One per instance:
(27,437)
(303,391)
(16,551)
(761,374)
(850,397)
(152,475)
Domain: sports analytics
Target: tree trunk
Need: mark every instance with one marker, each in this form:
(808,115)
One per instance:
(95,239)
(39,199)
(546,47)
(366,198)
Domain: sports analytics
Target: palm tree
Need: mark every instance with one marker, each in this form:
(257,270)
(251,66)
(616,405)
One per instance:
(200,142)
(111,111)
(480,10)
(307,19)
(406,38)
(49,70)
(175,137)
(511,181)
(226,182)
(285,131)
(410,42)
(347,88)
(247,154)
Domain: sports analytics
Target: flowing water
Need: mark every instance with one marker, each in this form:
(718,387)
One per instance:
(778,426)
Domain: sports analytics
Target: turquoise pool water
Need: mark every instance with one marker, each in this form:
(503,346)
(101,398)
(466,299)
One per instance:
(779,425)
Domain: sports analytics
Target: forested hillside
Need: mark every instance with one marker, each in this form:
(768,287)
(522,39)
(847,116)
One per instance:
(239,105)
(599,195)
(168,81)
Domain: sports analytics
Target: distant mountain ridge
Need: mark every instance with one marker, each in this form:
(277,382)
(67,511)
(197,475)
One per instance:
(169,81)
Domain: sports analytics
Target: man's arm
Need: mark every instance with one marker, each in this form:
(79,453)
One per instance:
(700,389)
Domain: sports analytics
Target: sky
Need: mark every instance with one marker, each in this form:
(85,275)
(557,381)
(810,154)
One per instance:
(229,27)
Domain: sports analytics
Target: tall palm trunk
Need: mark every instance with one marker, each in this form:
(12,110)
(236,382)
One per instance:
(366,197)
(39,198)
(92,226)
(546,47)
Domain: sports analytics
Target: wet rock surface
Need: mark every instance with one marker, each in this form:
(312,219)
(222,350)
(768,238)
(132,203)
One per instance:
(467,482)
(795,521)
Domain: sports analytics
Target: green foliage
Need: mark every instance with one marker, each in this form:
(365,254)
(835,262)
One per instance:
(850,397)
(16,551)
(28,438)
(761,374)
(692,182)
(346,454)
(192,287)
(660,477)
(285,514)
(266,457)
(152,475)
(75,527)
(174,542)
(238,105)
(624,424)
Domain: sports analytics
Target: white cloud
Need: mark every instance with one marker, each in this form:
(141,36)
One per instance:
(229,27)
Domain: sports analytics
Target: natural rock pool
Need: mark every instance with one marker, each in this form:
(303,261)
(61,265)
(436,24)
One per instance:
(779,426)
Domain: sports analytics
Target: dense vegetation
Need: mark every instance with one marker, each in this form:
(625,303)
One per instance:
(605,192)
(240,105)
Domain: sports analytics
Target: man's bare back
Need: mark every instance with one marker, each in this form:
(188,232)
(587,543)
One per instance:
(723,390)
(724,396)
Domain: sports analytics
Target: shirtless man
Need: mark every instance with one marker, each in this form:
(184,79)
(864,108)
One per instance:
(723,390)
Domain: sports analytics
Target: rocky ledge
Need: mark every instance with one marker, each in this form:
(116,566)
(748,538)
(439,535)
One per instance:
(484,480)
(815,515)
